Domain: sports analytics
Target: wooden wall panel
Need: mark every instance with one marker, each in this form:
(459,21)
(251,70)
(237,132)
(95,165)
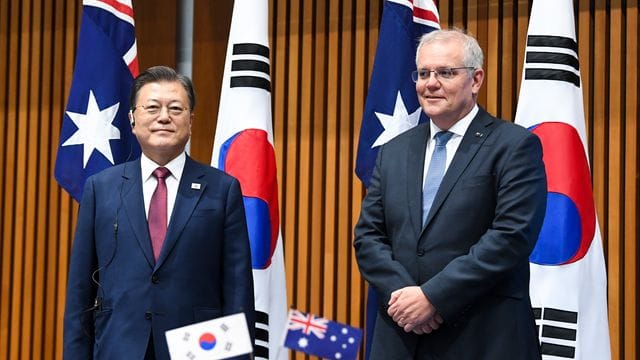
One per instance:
(321,58)
(630,204)
(35,75)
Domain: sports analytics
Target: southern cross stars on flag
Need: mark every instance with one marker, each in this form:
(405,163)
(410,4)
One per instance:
(95,130)
(392,104)
(318,336)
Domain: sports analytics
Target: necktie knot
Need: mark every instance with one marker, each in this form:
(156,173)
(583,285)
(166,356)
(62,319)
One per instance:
(443,137)
(161,172)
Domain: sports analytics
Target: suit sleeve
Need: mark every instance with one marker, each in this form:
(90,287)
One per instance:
(500,257)
(238,278)
(373,249)
(81,290)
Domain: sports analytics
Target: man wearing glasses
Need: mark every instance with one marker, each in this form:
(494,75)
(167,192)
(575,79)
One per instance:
(161,241)
(452,213)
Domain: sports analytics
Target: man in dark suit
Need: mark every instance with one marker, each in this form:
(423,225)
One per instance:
(161,242)
(452,213)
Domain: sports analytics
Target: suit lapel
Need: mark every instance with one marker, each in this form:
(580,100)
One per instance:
(415,171)
(192,186)
(133,202)
(474,137)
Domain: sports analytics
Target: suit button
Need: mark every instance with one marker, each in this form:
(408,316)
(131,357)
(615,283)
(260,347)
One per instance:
(147,315)
(155,278)
(421,252)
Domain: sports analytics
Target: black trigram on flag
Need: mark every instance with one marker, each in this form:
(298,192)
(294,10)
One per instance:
(261,348)
(250,66)
(557,330)
(552,58)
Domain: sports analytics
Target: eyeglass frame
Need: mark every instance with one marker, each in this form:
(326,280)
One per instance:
(439,73)
(170,109)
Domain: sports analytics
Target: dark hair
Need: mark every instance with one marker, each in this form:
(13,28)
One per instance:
(158,74)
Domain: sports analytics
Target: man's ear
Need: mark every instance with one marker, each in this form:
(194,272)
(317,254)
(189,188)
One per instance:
(478,78)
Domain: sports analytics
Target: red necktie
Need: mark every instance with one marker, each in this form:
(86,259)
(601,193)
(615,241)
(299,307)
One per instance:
(158,211)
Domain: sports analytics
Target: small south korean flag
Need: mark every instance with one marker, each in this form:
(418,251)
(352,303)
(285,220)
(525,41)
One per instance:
(219,338)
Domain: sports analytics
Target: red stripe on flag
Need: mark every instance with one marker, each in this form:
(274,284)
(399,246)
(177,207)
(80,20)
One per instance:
(120,7)
(425,14)
(133,67)
(309,324)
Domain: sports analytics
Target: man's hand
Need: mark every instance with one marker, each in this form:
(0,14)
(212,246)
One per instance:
(428,326)
(410,308)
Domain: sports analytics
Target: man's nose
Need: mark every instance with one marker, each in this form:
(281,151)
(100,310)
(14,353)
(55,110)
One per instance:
(432,80)
(164,114)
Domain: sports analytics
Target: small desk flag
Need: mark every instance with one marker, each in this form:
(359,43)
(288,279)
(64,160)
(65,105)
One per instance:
(318,336)
(219,338)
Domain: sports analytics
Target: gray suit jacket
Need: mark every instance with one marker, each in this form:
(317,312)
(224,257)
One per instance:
(471,257)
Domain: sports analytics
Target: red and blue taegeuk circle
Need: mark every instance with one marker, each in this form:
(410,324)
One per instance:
(570,221)
(249,157)
(207,341)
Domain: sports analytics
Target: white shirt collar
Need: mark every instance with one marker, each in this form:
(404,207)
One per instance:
(460,127)
(175,166)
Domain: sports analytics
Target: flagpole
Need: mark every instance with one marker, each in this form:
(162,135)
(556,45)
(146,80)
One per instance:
(184,48)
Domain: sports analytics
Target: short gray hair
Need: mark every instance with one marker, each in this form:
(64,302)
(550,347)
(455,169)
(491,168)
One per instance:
(472,56)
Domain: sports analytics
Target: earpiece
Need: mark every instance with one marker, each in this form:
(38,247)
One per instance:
(132,120)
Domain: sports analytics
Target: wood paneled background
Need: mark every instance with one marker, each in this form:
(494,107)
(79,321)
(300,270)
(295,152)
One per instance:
(322,53)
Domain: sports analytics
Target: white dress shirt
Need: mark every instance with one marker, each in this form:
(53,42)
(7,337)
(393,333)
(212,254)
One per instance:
(458,129)
(149,182)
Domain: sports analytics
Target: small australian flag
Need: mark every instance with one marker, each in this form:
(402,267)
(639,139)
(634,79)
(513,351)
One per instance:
(318,336)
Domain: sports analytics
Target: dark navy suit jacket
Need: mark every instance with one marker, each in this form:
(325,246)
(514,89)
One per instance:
(471,257)
(203,271)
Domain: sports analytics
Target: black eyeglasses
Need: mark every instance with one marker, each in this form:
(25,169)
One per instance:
(154,109)
(440,73)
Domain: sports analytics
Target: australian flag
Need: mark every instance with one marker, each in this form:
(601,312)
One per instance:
(318,336)
(392,104)
(95,130)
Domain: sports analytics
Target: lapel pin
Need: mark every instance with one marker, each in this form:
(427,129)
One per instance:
(479,134)
(195,186)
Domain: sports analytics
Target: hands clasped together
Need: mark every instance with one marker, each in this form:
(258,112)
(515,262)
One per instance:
(410,308)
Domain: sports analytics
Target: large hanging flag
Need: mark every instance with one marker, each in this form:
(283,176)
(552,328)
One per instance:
(568,276)
(95,130)
(392,105)
(243,147)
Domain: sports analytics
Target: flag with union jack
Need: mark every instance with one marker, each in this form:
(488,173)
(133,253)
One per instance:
(95,130)
(392,104)
(315,335)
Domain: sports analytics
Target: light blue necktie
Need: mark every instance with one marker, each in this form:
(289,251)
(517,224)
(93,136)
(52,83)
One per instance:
(435,172)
